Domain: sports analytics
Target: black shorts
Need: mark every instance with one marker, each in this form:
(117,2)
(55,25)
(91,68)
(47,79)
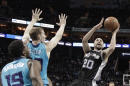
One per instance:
(83,83)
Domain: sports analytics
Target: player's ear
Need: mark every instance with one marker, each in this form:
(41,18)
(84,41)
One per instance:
(24,52)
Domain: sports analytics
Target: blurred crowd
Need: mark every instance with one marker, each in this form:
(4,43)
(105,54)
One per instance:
(77,17)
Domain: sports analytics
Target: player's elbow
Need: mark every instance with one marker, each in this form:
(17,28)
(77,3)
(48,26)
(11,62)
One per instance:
(33,77)
(84,41)
(59,36)
(25,40)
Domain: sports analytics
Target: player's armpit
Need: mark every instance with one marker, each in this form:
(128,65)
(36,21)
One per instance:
(107,52)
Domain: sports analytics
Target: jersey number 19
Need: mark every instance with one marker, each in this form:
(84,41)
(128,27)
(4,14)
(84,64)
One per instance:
(16,79)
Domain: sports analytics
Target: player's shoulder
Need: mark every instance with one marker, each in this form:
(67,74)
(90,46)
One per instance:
(8,64)
(33,63)
(5,67)
(45,43)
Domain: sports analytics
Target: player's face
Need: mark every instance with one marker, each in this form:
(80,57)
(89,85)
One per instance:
(98,43)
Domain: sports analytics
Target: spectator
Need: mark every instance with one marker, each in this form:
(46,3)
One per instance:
(83,21)
(5,10)
(128,21)
(51,15)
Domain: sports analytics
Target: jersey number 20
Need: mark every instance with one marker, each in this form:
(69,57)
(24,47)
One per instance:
(88,64)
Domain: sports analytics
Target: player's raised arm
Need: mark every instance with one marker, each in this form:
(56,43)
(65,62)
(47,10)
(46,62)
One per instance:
(53,42)
(88,36)
(112,46)
(35,70)
(35,17)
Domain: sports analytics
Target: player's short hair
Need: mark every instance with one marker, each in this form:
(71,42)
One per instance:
(15,48)
(34,33)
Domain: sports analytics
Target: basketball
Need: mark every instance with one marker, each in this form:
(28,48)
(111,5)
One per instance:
(111,23)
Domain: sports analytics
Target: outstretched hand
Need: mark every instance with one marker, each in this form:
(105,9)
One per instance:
(62,19)
(100,24)
(36,15)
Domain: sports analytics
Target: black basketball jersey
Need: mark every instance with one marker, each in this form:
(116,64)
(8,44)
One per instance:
(93,64)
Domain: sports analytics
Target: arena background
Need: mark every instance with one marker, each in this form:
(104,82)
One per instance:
(66,58)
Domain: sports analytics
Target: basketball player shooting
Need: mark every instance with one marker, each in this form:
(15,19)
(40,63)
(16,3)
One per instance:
(94,60)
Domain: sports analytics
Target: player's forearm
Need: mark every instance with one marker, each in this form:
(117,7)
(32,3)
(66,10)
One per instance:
(29,27)
(60,32)
(113,41)
(35,18)
(26,33)
(89,34)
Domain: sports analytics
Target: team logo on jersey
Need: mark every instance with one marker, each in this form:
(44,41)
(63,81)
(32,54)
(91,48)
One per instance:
(93,55)
(87,55)
(36,52)
(96,56)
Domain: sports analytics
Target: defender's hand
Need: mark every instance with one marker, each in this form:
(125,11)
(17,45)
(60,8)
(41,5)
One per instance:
(36,14)
(62,19)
